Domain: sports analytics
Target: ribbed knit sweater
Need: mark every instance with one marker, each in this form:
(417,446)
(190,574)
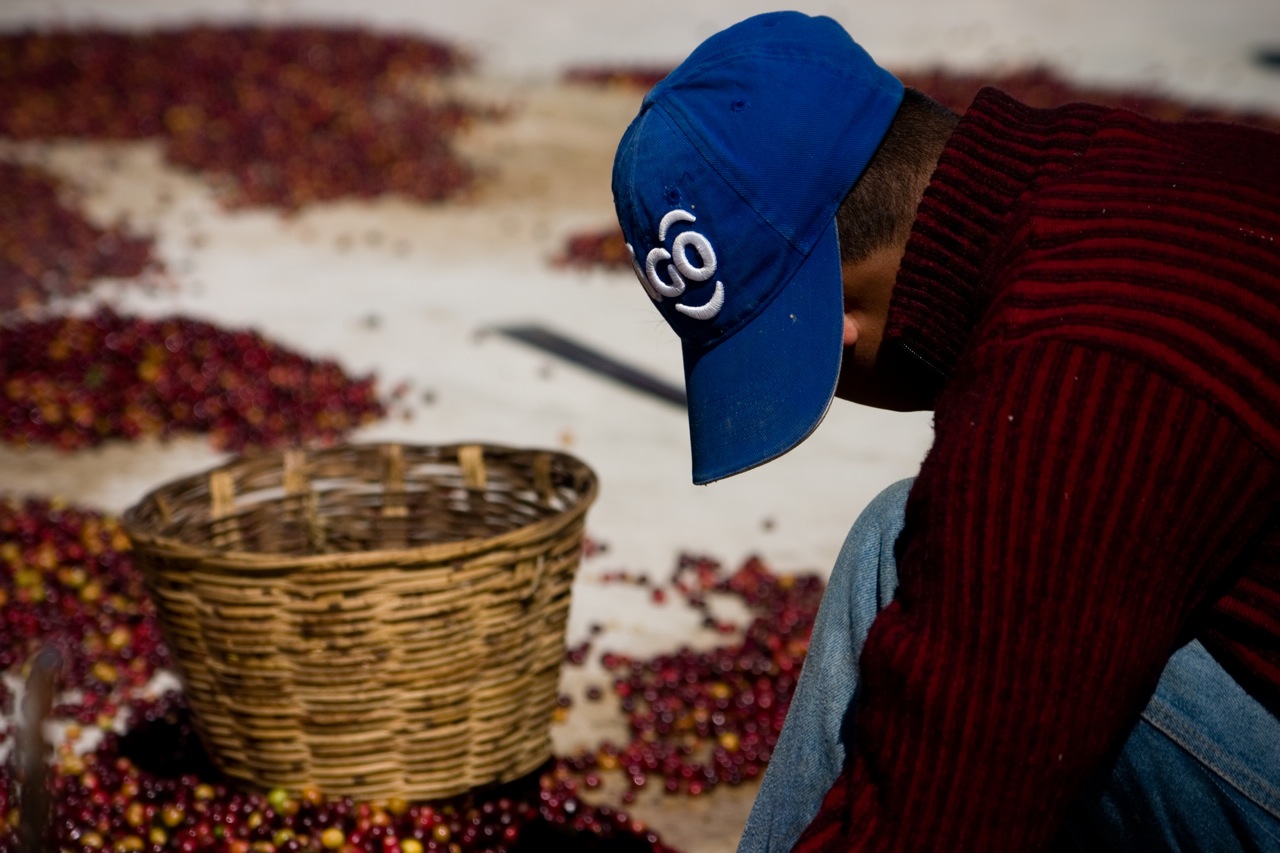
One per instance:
(1095,297)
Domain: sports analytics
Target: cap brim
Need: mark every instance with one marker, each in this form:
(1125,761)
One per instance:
(766,387)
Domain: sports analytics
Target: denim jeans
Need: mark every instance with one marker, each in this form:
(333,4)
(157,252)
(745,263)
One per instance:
(1199,772)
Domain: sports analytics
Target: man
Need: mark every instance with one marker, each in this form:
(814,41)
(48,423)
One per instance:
(1066,631)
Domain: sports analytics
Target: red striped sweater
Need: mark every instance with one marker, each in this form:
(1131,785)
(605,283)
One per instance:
(1097,296)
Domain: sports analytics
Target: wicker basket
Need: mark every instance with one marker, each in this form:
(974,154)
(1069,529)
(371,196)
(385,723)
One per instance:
(380,621)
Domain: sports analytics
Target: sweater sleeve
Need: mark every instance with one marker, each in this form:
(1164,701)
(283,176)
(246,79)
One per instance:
(1074,513)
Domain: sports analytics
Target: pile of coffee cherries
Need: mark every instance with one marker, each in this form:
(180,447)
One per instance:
(701,719)
(48,249)
(67,578)
(1036,87)
(153,790)
(73,382)
(278,116)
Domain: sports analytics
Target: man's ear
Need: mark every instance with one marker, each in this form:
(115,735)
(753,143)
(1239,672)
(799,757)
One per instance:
(850,331)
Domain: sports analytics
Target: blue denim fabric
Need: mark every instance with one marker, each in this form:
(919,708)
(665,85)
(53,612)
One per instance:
(810,751)
(1200,771)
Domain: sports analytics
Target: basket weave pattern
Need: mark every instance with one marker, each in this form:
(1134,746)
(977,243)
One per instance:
(373,620)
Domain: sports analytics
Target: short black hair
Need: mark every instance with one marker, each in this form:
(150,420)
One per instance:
(881,205)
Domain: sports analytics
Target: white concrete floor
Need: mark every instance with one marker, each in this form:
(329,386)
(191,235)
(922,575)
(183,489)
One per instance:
(484,262)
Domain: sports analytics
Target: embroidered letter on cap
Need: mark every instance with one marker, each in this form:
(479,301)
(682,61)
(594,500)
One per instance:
(680,267)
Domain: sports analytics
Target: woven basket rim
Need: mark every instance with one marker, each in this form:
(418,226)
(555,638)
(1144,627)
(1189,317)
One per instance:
(439,552)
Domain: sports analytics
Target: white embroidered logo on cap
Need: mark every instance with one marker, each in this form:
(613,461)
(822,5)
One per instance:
(680,267)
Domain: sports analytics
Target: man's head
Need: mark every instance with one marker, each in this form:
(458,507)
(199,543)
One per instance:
(726,186)
(873,223)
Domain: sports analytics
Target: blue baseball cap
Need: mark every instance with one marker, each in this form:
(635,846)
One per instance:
(726,187)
